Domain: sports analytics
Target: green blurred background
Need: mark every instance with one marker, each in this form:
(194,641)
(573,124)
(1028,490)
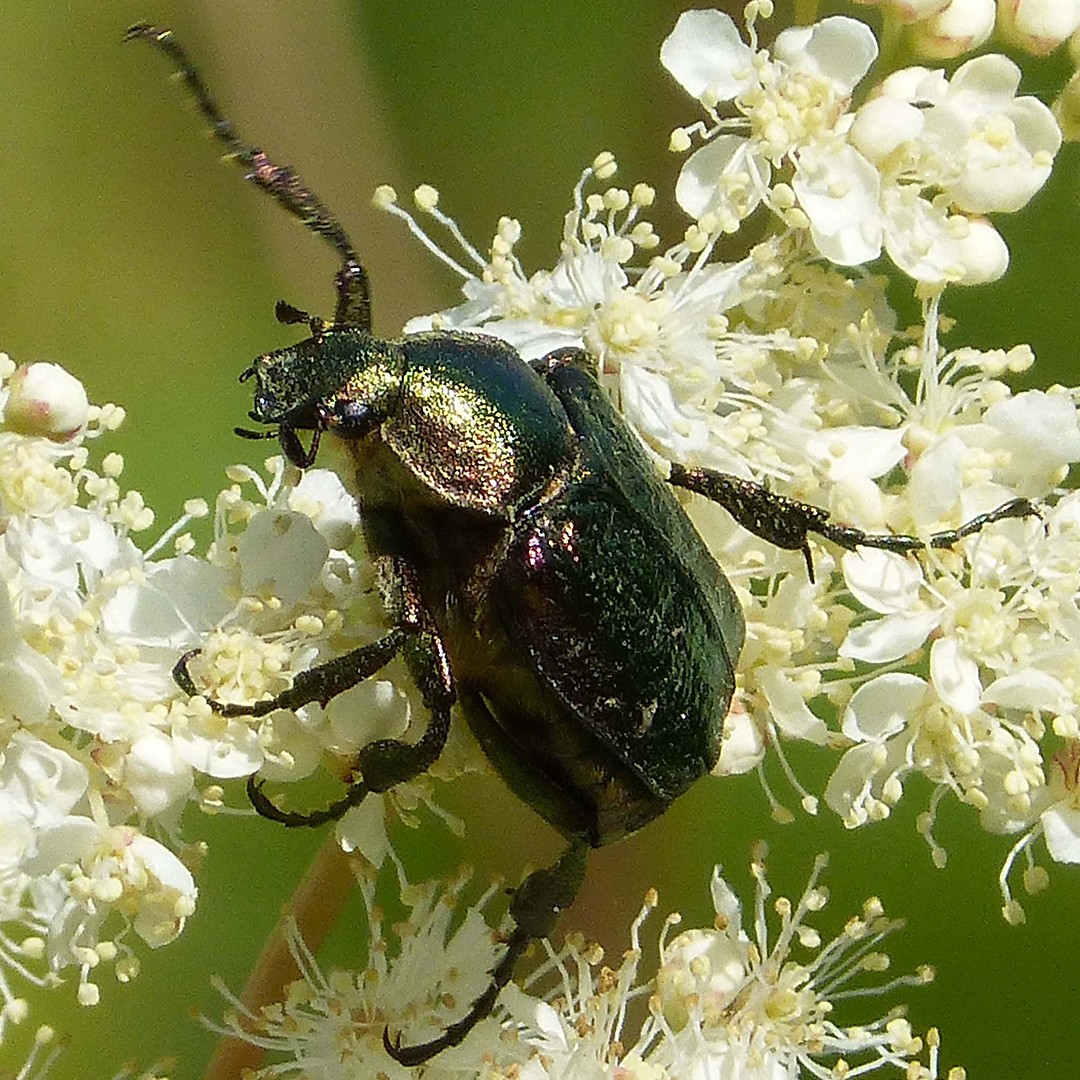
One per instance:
(132,257)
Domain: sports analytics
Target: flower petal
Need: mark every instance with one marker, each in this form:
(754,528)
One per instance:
(881,641)
(839,48)
(1061,828)
(883,706)
(839,190)
(725,177)
(706,54)
(955,675)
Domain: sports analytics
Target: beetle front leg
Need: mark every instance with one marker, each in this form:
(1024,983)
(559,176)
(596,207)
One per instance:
(316,684)
(382,764)
(534,907)
(787,523)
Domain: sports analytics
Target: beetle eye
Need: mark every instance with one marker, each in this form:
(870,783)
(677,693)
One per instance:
(264,405)
(352,419)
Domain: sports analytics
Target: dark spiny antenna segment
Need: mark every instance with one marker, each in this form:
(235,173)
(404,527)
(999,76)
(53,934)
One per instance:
(278,181)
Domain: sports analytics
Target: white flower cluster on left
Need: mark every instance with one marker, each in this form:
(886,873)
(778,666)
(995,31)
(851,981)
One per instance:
(99,750)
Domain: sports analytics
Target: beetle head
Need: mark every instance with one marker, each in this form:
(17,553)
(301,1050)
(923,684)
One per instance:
(341,380)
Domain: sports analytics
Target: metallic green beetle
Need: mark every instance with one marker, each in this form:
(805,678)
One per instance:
(542,575)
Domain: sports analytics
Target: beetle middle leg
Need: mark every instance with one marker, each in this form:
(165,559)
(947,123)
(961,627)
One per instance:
(787,523)
(382,764)
(534,907)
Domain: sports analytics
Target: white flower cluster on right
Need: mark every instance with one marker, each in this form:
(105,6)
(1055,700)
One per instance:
(790,366)
(912,171)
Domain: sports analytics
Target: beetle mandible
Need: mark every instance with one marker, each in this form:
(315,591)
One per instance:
(542,575)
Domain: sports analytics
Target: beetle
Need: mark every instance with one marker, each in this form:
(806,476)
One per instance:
(540,573)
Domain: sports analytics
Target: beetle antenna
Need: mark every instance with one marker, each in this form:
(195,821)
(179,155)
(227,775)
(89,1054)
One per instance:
(280,182)
(247,433)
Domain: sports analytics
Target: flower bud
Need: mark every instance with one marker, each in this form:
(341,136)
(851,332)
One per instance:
(883,124)
(908,11)
(44,399)
(962,26)
(983,253)
(1037,26)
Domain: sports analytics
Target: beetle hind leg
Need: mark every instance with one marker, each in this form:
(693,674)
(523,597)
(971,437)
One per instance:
(787,523)
(534,907)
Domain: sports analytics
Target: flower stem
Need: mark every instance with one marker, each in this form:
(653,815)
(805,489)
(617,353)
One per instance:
(315,906)
(892,50)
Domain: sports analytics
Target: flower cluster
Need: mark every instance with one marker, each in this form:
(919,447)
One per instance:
(956,665)
(734,999)
(100,751)
(913,170)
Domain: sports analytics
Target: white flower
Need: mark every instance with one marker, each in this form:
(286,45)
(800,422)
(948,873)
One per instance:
(785,103)
(993,150)
(1061,820)
(732,1005)
(658,340)
(912,171)
(724,1002)
(969,139)
(1058,823)
(1039,26)
(417,980)
(958,27)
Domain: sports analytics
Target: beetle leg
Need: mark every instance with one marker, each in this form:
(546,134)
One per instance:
(535,907)
(280,182)
(319,683)
(567,356)
(289,315)
(787,523)
(382,764)
(247,433)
